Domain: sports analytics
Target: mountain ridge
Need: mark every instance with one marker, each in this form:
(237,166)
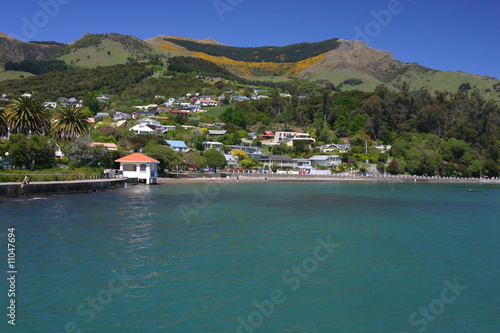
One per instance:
(335,60)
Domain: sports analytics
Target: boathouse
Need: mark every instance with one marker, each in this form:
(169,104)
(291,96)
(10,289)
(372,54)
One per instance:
(139,166)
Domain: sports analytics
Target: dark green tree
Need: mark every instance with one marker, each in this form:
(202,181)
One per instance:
(214,158)
(168,158)
(34,152)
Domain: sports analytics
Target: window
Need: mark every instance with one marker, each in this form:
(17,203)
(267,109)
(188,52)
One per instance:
(130,167)
(143,168)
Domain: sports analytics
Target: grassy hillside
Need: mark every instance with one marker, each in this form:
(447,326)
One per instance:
(451,81)
(108,50)
(14,50)
(77,83)
(13,75)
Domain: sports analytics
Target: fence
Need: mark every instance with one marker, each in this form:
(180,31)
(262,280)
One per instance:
(38,177)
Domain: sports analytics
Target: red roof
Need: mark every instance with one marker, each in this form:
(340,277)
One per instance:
(137,157)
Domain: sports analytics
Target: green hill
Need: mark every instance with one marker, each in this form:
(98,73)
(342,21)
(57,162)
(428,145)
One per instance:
(109,49)
(13,50)
(12,75)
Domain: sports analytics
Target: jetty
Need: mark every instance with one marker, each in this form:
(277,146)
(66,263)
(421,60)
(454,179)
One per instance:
(62,187)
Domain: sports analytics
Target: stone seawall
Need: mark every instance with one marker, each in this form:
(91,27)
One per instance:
(61,187)
(340,178)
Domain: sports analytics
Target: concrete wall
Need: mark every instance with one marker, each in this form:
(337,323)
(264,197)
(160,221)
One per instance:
(62,187)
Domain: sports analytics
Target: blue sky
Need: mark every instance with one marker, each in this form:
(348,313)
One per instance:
(444,35)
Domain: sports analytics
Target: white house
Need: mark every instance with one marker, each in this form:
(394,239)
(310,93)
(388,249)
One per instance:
(165,128)
(139,166)
(290,137)
(207,102)
(142,129)
(335,148)
(149,122)
(326,160)
(212,144)
(146,107)
(302,163)
(51,105)
(232,161)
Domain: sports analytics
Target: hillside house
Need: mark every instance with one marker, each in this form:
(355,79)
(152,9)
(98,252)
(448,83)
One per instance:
(207,102)
(101,115)
(121,116)
(109,146)
(232,161)
(51,105)
(326,160)
(249,150)
(268,135)
(290,137)
(216,132)
(180,112)
(281,161)
(149,122)
(139,114)
(335,148)
(302,163)
(142,129)
(178,146)
(165,128)
(240,99)
(146,107)
(212,144)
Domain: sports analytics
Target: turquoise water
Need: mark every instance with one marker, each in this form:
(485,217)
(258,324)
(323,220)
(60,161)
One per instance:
(195,258)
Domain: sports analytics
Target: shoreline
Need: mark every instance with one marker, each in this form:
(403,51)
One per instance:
(302,179)
(12,190)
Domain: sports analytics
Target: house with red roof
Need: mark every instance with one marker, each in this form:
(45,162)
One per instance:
(139,166)
(268,135)
(109,146)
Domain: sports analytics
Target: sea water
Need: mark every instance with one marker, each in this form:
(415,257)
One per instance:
(260,257)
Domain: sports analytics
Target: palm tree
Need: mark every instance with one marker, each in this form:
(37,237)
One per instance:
(3,125)
(26,115)
(70,122)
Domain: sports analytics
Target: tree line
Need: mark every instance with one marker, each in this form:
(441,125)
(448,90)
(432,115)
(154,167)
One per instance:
(36,67)
(279,54)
